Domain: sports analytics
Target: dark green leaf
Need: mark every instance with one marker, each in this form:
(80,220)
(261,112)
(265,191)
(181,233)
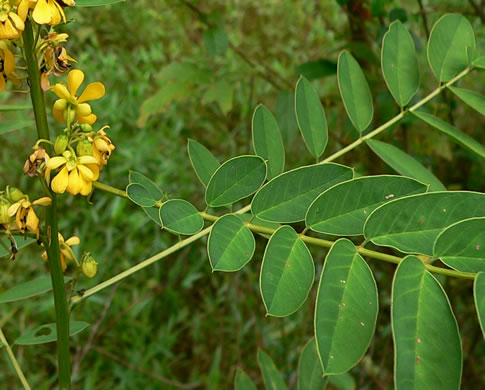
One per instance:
(29,289)
(153,190)
(345,309)
(286,117)
(472,98)
(321,68)
(427,346)
(243,381)
(216,42)
(310,373)
(271,375)
(48,333)
(140,195)
(181,217)
(202,160)
(479,296)
(12,126)
(153,213)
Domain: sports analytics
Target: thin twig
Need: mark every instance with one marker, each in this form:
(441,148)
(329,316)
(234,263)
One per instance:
(15,364)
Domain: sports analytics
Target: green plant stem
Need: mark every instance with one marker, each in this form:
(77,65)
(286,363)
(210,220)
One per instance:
(396,119)
(264,230)
(15,364)
(51,243)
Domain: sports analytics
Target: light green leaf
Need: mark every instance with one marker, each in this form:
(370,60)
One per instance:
(286,117)
(12,126)
(234,180)
(286,198)
(427,346)
(345,310)
(479,297)
(202,160)
(140,195)
(355,91)
(20,245)
(29,289)
(287,273)
(221,92)
(271,376)
(452,132)
(310,373)
(400,63)
(216,42)
(243,381)
(96,3)
(411,224)
(267,140)
(343,382)
(447,46)
(230,245)
(461,246)
(311,117)
(181,217)
(342,209)
(153,190)
(48,333)
(472,98)
(405,164)
(14,107)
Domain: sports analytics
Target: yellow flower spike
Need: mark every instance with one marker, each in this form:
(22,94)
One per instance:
(65,251)
(25,216)
(46,11)
(7,64)
(11,20)
(74,80)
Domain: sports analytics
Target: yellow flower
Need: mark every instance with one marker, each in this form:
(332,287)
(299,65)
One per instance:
(49,12)
(35,164)
(7,65)
(69,105)
(76,175)
(102,147)
(55,59)
(25,216)
(11,19)
(65,251)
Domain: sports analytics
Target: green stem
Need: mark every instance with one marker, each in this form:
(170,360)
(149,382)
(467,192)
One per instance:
(15,364)
(51,243)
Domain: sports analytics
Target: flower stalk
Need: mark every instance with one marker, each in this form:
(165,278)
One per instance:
(51,242)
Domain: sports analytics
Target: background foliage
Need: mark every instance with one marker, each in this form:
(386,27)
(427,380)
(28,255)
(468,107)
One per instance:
(197,69)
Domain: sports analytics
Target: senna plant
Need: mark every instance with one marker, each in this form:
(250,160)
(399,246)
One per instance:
(411,214)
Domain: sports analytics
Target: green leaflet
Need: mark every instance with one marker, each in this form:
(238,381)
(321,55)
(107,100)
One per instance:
(152,189)
(461,246)
(405,164)
(215,41)
(271,375)
(452,132)
(342,209)
(140,195)
(234,180)
(243,381)
(180,217)
(287,273)
(476,57)
(479,297)
(427,345)
(343,382)
(267,140)
(286,198)
(345,309)
(20,245)
(310,373)
(202,160)
(400,63)
(447,46)
(153,213)
(472,98)
(230,245)
(355,91)
(29,289)
(11,126)
(412,223)
(48,333)
(150,193)
(311,117)
(285,116)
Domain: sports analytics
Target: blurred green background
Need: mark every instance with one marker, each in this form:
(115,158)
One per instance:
(179,69)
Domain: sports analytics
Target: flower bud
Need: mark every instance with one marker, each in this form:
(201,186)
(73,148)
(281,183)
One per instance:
(84,148)
(87,128)
(89,266)
(14,194)
(69,115)
(4,205)
(61,143)
(60,104)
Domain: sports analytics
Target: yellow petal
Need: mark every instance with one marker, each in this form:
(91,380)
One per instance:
(86,187)
(32,221)
(17,21)
(44,255)
(57,13)
(42,12)
(44,201)
(86,172)
(56,162)
(8,31)
(74,80)
(60,182)
(87,160)
(61,91)
(8,62)
(2,80)
(101,145)
(90,119)
(92,92)
(83,109)
(74,240)
(74,183)
(22,9)
(67,252)
(12,210)
(95,169)
(63,262)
